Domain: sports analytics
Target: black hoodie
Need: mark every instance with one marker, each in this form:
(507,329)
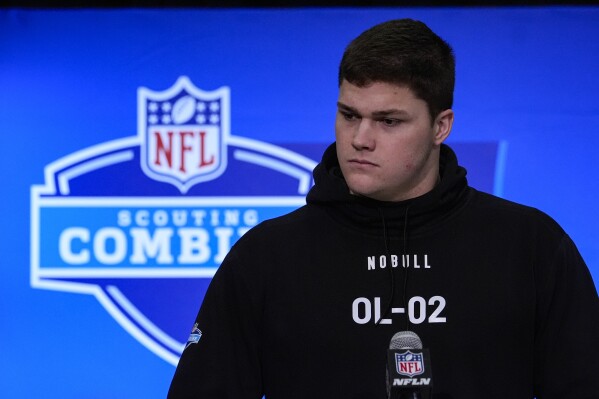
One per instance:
(304,305)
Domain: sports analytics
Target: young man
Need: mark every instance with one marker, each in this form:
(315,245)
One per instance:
(392,238)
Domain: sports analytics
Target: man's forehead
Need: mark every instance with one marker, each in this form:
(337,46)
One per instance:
(377,98)
(371,83)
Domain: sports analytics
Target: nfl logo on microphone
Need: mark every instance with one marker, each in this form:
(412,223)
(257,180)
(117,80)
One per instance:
(409,363)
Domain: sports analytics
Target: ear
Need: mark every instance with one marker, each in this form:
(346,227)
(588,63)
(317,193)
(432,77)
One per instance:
(442,126)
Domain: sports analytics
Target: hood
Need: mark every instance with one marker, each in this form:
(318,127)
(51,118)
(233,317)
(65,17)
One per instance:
(331,190)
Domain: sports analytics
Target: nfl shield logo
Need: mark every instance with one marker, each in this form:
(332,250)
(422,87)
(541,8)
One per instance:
(184,133)
(409,363)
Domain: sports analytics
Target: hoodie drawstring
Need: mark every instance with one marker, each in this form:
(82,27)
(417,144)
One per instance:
(392,275)
(406,269)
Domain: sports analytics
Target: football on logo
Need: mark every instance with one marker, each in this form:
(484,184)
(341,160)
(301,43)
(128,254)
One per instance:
(142,223)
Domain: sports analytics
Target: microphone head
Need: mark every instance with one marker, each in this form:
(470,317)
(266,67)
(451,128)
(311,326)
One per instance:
(405,340)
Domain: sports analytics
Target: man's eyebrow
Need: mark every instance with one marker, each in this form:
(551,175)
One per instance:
(375,114)
(390,112)
(345,107)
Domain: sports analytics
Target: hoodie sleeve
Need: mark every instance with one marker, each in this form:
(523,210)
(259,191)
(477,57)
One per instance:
(225,362)
(567,334)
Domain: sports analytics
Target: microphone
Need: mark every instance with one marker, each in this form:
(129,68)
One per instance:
(409,374)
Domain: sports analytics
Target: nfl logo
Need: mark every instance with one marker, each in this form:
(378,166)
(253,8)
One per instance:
(409,363)
(184,133)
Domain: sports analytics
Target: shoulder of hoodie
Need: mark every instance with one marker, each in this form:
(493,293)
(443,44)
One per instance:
(292,220)
(284,227)
(252,253)
(509,211)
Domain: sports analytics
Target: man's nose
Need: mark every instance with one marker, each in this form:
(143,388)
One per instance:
(364,137)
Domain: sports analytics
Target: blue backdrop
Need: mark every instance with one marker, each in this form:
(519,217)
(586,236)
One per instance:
(73,150)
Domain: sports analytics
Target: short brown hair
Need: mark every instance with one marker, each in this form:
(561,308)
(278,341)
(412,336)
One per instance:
(407,53)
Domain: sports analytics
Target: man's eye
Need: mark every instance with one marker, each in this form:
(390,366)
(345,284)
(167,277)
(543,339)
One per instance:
(348,116)
(390,122)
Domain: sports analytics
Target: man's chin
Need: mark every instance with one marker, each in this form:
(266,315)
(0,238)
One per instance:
(363,193)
